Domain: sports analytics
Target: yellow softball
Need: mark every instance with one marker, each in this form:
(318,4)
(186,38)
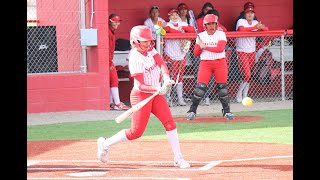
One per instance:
(247,101)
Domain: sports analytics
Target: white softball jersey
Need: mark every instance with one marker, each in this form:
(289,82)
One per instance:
(148,22)
(192,22)
(173,46)
(212,41)
(246,44)
(139,63)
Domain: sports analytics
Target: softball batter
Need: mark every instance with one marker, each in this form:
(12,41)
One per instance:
(211,49)
(146,67)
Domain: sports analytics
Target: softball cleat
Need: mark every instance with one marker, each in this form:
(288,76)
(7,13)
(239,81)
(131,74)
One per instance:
(228,115)
(102,153)
(181,163)
(191,115)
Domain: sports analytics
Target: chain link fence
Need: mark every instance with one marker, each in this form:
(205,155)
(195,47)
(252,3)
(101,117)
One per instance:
(53,36)
(271,75)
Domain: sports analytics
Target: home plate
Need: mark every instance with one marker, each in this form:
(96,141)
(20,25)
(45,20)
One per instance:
(86,174)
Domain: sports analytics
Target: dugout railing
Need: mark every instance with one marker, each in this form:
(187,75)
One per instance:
(271,76)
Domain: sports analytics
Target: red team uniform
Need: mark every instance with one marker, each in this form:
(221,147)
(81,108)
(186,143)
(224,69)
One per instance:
(246,51)
(210,46)
(114,22)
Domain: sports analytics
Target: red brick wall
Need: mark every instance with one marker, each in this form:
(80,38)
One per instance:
(65,92)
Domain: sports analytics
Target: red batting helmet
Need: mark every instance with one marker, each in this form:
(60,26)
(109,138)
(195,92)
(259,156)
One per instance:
(209,18)
(140,33)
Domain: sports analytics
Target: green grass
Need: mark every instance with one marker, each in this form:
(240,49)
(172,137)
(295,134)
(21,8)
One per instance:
(277,127)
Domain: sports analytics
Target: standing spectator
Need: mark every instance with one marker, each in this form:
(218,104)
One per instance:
(205,8)
(191,60)
(241,16)
(154,19)
(146,67)
(115,103)
(210,46)
(185,17)
(184,14)
(246,49)
(175,51)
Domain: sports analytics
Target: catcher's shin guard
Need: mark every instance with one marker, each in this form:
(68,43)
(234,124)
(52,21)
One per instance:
(198,94)
(222,91)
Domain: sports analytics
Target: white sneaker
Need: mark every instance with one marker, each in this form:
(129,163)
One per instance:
(207,101)
(181,102)
(181,163)
(102,153)
(239,99)
(240,92)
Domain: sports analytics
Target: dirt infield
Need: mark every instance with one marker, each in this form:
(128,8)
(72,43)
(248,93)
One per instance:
(152,159)
(218,119)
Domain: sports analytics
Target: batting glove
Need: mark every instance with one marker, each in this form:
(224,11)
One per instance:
(166,78)
(167,81)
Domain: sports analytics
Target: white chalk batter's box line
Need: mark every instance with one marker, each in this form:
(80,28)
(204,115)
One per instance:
(138,178)
(208,164)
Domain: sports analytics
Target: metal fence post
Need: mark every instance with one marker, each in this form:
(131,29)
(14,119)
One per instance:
(83,65)
(158,43)
(283,94)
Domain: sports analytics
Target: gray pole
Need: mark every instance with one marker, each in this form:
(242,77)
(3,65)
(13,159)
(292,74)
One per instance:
(83,63)
(283,93)
(158,44)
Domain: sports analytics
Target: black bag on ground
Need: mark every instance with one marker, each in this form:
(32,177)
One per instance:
(266,69)
(122,45)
